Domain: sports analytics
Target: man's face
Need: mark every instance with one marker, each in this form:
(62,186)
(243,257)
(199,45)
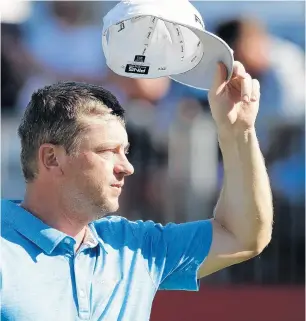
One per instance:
(95,176)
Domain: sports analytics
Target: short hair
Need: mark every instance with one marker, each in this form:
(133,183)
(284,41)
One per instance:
(53,116)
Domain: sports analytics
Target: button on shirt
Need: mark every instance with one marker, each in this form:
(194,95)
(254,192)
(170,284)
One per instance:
(113,276)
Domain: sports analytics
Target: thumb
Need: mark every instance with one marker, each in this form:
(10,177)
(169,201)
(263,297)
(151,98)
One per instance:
(220,76)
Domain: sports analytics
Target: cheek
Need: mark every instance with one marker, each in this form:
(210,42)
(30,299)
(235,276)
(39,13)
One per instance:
(91,164)
(87,161)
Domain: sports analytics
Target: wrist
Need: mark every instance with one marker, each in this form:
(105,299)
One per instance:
(234,135)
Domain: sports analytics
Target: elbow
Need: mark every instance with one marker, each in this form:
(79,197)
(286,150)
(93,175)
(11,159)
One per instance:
(259,244)
(260,248)
(265,242)
(262,236)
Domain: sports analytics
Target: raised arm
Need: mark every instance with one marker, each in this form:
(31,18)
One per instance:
(243,216)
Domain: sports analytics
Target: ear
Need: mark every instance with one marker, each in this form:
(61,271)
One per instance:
(49,159)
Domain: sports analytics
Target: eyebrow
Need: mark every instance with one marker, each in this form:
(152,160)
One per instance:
(110,144)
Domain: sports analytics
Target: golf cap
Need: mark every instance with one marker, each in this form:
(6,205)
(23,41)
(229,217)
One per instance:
(158,38)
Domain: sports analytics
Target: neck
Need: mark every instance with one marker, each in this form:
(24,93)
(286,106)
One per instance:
(52,210)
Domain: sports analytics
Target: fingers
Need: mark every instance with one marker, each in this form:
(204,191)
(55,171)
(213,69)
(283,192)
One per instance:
(249,88)
(246,88)
(221,73)
(220,76)
(255,90)
(238,70)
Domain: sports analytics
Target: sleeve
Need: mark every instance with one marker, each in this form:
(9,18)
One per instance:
(173,253)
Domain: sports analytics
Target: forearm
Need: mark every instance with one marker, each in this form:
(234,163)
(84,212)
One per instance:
(245,205)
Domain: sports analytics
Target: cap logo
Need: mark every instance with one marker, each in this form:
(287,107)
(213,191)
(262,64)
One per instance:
(139,58)
(136,69)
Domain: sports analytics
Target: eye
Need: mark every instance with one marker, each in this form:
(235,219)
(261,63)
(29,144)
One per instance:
(106,151)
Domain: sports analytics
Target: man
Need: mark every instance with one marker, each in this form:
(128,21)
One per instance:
(61,260)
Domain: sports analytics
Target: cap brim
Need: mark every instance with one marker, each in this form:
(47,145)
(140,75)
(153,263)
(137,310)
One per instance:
(215,50)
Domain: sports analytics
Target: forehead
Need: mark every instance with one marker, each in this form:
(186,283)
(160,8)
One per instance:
(101,130)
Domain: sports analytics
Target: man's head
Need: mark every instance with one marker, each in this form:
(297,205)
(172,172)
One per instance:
(249,40)
(74,143)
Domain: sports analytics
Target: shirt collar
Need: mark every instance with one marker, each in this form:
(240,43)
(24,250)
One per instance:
(44,236)
(96,237)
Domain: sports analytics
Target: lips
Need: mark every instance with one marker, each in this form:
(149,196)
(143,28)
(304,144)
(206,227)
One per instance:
(117,185)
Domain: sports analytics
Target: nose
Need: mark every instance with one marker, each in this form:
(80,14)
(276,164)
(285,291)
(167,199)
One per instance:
(124,167)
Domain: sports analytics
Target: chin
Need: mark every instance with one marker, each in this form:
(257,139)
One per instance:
(110,206)
(113,209)
(106,203)
(106,209)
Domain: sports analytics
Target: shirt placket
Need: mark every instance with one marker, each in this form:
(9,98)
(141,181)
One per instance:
(81,282)
(82,275)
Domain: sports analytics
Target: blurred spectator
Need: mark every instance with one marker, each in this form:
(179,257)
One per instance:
(17,64)
(169,135)
(65,39)
(67,42)
(278,65)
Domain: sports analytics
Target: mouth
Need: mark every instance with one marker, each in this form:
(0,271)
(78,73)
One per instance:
(118,186)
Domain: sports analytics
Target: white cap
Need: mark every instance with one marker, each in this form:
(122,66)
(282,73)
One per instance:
(158,38)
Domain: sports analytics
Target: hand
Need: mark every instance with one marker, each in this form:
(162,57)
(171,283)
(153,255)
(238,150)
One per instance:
(234,104)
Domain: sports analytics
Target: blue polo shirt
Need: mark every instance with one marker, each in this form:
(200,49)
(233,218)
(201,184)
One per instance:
(114,278)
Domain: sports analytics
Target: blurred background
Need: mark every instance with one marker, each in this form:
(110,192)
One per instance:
(178,166)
